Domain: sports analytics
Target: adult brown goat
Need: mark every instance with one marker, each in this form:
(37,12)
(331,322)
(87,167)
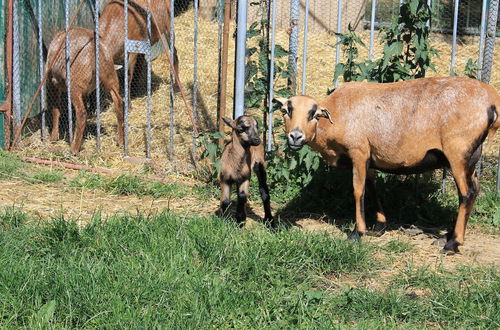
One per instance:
(242,154)
(112,29)
(403,128)
(82,53)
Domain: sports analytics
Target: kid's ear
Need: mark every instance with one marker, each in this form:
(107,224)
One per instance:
(229,122)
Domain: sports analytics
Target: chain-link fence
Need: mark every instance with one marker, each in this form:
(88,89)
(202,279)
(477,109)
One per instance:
(160,112)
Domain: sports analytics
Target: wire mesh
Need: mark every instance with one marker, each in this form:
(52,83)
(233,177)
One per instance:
(197,50)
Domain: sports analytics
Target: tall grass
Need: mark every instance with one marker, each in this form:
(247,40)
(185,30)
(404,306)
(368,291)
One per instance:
(173,272)
(144,272)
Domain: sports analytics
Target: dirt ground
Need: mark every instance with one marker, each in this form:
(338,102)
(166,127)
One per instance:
(52,200)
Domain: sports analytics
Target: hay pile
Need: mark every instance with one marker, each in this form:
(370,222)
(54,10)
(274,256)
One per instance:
(320,65)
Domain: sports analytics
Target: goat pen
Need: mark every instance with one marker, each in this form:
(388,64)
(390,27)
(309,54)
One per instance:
(166,110)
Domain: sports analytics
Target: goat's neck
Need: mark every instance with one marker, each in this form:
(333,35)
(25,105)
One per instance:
(325,143)
(238,150)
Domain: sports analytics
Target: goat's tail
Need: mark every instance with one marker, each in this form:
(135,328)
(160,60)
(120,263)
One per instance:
(493,122)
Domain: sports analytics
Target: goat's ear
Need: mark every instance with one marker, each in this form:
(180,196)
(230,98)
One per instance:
(325,114)
(229,122)
(280,100)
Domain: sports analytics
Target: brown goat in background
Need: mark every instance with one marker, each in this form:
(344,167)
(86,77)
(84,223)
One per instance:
(112,29)
(82,54)
(242,154)
(402,128)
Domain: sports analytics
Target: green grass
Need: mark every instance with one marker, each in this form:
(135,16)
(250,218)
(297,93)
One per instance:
(126,185)
(47,176)
(173,272)
(397,246)
(10,164)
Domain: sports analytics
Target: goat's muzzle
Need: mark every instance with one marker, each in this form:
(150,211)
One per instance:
(255,142)
(296,140)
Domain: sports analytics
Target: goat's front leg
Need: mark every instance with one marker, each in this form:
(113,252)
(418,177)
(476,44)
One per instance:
(260,171)
(241,213)
(56,115)
(380,225)
(359,170)
(225,198)
(81,122)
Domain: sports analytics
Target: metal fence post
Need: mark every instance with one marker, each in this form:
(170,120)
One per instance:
(293,45)
(68,73)
(41,67)
(239,84)
(339,30)
(125,78)
(454,40)
(481,38)
(372,28)
(16,70)
(195,70)
(304,51)
(97,79)
(148,61)
(172,95)
(271,78)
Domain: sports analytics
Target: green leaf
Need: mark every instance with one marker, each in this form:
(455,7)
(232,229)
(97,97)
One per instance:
(280,52)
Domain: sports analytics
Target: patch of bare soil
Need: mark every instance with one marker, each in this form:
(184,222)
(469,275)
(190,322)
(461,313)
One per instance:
(53,200)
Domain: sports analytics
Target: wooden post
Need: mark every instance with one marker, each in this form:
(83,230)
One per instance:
(223,75)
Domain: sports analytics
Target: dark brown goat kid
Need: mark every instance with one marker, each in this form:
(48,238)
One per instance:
(82,53)
(403,128)
(241,155)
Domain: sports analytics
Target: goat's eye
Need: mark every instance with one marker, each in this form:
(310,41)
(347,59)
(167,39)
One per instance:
(284,111)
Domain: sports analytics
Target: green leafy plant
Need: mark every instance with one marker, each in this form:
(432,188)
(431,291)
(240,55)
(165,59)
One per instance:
(289,170)
(471,69)
(212,153)
(407,52)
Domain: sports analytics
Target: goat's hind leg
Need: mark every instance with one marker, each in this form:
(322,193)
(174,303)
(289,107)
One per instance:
(381,222)
(110,81)
(260,171)
(468,189)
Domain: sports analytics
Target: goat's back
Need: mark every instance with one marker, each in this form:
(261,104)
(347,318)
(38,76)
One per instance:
(112,23)
(400,122)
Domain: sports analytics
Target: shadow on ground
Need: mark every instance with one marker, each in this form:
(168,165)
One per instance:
(329,198)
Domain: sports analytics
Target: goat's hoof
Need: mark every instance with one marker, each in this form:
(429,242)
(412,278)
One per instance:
(451,247)
(377,230)
(54,138)
(355,235)
(441,242)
